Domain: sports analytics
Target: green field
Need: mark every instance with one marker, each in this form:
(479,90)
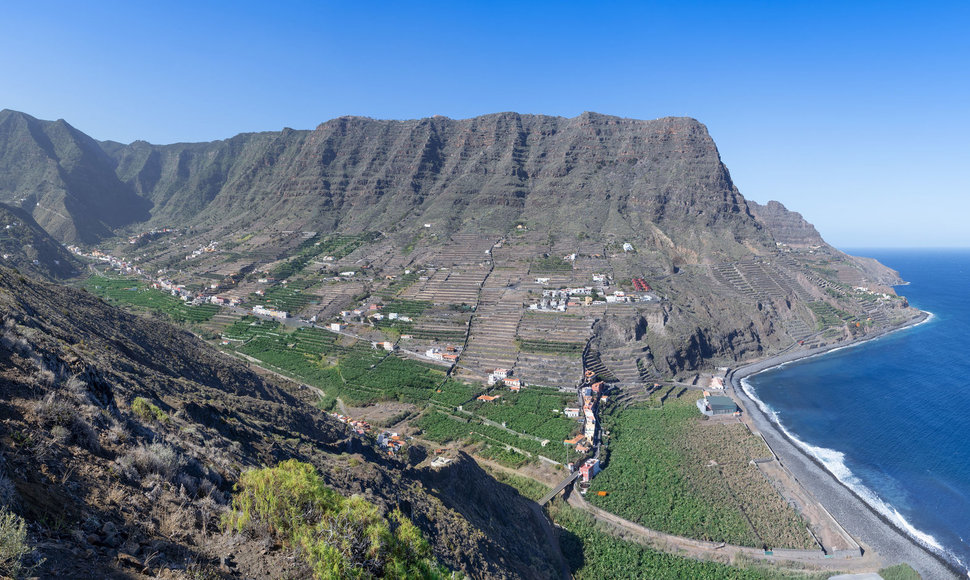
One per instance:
(338,246)
(594,554)
(671,471)
(444,428)
(133,292)
(530,411)
(552,347)
(345,368)
(827,315)
(291,297)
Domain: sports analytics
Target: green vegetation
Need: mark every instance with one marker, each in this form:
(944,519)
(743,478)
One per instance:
(594,554)
(338,246)
(530,411)
(13,544)
(355,372)
(291,297)
(338,537)
(412,308)
(526,486)
(671,471)
(551,264)
(552,347)
(135,293)
(899,572)
(827,315)
(147,410)
(443,428)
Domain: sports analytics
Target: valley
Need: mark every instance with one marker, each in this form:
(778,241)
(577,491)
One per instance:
(403,305)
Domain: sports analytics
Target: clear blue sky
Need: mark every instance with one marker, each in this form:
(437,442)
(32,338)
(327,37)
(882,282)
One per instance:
(855,114)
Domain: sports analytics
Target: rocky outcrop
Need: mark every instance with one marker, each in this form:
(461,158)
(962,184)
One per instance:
(786,227)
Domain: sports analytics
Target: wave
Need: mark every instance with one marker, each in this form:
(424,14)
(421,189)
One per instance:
(834,462)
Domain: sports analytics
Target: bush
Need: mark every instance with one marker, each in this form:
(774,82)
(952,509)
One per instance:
(147,410)
(157,458)
(338,537)
(66,423)
(13,544)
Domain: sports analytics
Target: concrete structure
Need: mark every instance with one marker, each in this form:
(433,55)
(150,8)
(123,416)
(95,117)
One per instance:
(717,405)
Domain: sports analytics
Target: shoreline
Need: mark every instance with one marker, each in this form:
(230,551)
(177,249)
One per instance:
(865,523)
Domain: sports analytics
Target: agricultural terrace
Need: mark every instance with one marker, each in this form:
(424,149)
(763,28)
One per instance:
(593,554)
(493,442)
(136,293)
(291,297)
(410,308)
(827,315)
(669,470)
(343,367)
(533,410)
(337,246)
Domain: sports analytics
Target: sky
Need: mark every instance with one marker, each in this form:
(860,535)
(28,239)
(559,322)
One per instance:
(855,114)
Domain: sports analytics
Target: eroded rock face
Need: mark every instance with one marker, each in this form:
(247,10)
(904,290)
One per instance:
(786,227)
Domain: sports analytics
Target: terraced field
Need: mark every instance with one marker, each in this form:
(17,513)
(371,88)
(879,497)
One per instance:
(133,292)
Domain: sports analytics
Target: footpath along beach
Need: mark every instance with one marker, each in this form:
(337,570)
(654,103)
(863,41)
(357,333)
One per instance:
(869,527)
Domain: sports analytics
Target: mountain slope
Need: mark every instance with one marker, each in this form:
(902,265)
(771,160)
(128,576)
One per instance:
(659,182)
(122,438)
(24,245)
(64,179)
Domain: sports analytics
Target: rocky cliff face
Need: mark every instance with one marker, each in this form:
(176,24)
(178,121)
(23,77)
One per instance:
(786,227)
(661,182)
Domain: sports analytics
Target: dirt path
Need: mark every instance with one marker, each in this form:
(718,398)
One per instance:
(724,553)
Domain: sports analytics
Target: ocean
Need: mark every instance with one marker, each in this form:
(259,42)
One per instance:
(891,417)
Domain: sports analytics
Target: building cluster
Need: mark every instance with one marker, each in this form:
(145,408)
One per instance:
(504,376)
(358,426)
(564,298)
(123,266)
(392,443)
(271,312)
(449,353)
(590,398)
(206,249)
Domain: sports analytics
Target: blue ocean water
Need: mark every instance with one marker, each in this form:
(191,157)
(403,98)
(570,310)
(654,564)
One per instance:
(891,417)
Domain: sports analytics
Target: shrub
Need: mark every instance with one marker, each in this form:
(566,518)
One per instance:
(13,544)
(157,458)
(338,537)
(147,410)
(66,423)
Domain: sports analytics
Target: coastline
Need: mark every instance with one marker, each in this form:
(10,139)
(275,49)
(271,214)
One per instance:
(865,523)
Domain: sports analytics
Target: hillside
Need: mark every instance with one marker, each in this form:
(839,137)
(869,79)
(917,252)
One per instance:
(626,198)
(660,182)
(122,438)
(24,245)
(64,179)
